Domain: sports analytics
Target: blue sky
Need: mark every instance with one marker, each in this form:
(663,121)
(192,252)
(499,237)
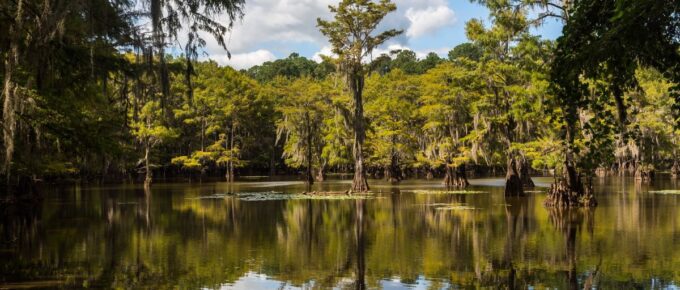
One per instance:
(274,29)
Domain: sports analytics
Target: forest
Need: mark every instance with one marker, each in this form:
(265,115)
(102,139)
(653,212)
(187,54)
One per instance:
(96,92)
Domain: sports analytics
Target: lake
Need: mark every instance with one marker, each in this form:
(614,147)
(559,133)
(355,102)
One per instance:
(414,235)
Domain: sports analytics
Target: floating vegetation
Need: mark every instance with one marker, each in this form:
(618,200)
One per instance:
(445,191)
(455,206)
(450,206)
(262,196)
(534,191)
(665,191)
(212,196)
(276,195)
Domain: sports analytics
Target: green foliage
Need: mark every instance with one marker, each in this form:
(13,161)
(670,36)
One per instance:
(467,50)
(303,108)
(605,42)
(150,129)
(294,66)
(448,92)
(391,108)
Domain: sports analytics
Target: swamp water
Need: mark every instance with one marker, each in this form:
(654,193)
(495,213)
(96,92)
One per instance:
(415,235)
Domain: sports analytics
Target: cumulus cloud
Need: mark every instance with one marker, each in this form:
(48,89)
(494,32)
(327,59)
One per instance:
(244,60)
(424,21)
(279,27)
(326,50)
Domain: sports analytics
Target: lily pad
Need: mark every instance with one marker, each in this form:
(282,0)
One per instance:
(665,191)
(445,191)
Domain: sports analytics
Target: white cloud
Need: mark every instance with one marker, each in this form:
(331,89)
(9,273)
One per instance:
(285,21)
(428,20)
(279,27)
(326,50)
(244,60)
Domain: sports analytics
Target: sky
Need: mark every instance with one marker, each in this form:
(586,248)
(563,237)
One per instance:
(273,29)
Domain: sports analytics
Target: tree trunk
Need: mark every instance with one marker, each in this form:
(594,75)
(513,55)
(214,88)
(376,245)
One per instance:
(309,177)
(513,183)
(429,175)
(147,165)
(524,174)
(644,173)
(392,172)
(570,191)
(321,174)
(203,133)
(675,170)
(272,161)
(359,183)
(455,177)
(230,163)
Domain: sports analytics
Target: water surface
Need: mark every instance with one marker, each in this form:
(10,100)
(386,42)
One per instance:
(192,235)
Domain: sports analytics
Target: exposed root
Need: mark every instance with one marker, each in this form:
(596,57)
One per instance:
(675,170)
(429,175)
(456,177)
(644,173)
(562,195)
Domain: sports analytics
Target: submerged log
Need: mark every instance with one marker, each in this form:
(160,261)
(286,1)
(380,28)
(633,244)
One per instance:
(513,183)
(456,177)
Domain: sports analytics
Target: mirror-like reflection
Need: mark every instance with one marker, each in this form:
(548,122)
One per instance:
(407,236)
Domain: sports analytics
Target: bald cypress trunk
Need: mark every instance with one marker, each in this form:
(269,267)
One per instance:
(513,183)
(393,172)
(570,191)
(456,177)
(147,165)
(524,174)
(309,176)
(359,182)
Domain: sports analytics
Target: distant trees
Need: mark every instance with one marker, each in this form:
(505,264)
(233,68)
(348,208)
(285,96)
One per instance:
(224,99)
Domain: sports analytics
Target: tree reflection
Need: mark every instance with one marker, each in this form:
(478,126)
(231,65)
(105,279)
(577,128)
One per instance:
(570,222)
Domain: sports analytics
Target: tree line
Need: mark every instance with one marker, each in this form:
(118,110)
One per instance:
(94,95)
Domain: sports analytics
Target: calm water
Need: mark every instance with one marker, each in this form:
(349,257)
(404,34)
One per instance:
(116,236)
